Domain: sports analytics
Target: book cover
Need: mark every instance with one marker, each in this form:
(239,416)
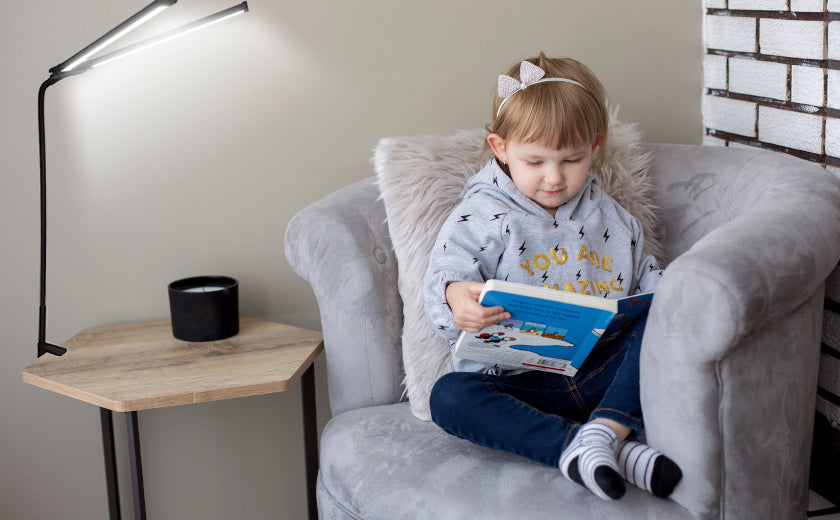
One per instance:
(548,330)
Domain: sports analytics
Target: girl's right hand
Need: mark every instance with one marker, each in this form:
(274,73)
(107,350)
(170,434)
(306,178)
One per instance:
(471,316)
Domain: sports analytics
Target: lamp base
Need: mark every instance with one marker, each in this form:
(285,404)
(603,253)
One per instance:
(47,348)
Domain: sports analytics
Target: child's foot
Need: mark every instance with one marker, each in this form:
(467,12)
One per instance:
(648,468)
(590,460)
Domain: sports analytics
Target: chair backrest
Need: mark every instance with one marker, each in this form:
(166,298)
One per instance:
(700,188)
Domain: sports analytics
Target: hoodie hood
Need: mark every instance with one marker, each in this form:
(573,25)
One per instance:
(495,183)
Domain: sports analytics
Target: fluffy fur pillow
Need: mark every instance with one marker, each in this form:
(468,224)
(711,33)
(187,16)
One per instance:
(422,179)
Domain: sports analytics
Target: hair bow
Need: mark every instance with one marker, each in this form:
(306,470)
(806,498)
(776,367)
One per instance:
(528,73)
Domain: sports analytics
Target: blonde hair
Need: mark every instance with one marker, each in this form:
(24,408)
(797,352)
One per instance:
(555,114)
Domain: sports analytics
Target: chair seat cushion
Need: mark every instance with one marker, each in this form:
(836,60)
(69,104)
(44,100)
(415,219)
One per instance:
(383,463)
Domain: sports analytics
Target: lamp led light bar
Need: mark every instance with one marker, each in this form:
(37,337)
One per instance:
(135,21)
(180,31)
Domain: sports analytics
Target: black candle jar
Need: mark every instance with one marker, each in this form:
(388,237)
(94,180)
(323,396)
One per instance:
(204,308)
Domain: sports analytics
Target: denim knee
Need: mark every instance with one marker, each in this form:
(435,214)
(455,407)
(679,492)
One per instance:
(450,392)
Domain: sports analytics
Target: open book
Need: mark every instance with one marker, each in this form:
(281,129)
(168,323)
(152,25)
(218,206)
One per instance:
(548,329)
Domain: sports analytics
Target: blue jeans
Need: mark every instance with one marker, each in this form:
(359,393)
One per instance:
(536,414)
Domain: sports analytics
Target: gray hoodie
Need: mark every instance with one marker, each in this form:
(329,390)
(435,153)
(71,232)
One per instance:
(592,246)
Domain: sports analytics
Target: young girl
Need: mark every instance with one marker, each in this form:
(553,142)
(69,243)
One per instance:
(535,196)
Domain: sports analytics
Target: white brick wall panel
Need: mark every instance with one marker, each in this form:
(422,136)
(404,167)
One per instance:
(832,285)
(810,6)
(729,115)
(733,144)
(833,94)
(830,411)
(731,33)
(807,85)
(833,170)
(834,6)
(832,137)
(714,71)
(831,330)
(709,140)
(759,5)
(830,374)
(790,129)
(758,78)
(791,38)
(715,4)
(834,41)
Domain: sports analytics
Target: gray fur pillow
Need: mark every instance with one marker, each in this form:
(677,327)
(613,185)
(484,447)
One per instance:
(421,179)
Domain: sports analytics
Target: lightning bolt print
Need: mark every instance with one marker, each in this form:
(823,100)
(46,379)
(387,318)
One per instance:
(465,218)
(522,248)
(495,180)
(556,224)
(544,276)
(620,279)
(581,233)
(497,216)
(578,275)
(606,235)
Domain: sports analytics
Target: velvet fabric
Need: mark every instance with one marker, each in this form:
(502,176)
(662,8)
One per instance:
(728,364)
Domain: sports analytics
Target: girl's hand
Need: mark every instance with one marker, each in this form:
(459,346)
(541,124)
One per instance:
(471,316)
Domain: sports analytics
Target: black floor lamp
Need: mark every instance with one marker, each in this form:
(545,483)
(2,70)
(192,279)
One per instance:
(79,63)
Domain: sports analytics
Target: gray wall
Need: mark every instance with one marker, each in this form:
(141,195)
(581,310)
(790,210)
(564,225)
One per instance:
(190,159)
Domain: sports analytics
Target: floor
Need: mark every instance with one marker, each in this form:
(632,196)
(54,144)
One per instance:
(819,507)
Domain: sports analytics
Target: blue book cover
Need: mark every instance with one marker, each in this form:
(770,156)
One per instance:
(548,330)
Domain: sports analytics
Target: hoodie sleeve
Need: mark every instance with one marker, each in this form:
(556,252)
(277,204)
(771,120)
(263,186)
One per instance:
(467,248)
(645,267)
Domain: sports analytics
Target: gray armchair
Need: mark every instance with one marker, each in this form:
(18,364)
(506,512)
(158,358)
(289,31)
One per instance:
(729,362)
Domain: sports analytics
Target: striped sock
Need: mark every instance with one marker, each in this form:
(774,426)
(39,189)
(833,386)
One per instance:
(647,468)
(591,460)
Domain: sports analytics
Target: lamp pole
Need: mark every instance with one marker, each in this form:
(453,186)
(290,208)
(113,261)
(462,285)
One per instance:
(43,346)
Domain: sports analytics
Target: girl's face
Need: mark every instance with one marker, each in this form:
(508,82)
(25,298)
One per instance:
(548,176)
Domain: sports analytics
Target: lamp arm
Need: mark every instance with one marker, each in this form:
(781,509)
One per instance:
(43,346)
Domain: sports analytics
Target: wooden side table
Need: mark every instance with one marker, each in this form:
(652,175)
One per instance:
(141,366)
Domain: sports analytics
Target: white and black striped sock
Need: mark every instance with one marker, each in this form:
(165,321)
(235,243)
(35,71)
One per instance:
(591,460)
(648,468)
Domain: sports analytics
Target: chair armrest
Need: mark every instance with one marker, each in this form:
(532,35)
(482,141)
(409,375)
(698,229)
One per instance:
(780,243)
(730,356)
(340,245)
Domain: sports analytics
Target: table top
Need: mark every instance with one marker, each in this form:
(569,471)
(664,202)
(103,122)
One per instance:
(140,366)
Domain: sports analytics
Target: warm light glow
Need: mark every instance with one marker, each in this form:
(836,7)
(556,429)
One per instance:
(206,22)
(140,21)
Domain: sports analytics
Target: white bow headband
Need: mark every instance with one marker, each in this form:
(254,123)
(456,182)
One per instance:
(530,75)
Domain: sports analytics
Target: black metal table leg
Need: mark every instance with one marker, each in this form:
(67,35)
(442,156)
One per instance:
(107,420)
(310,439)
(136,466)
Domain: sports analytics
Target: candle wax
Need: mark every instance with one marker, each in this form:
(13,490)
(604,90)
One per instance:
(204,288)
